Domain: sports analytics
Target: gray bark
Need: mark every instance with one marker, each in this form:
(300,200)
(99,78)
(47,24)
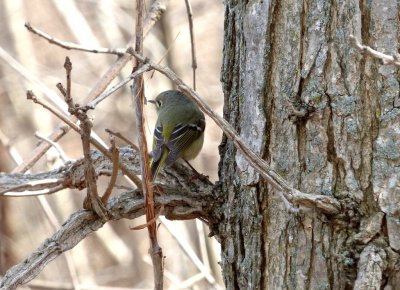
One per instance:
(327,120)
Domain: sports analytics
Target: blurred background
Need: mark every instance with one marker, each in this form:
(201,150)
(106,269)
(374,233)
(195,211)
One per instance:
(114,257)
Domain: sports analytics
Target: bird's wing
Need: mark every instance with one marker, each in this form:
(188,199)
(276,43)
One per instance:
(158,143)
(158,154)
(181,138)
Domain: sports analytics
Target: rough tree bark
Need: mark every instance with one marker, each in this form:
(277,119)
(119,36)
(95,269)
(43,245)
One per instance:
(327,120)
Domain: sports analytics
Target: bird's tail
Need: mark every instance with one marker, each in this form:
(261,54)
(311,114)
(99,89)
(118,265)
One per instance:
(156,165)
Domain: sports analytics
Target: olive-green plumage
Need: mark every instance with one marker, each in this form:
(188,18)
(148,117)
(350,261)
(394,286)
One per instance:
(179,131)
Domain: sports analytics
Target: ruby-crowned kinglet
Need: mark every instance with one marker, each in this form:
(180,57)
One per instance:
(179,131)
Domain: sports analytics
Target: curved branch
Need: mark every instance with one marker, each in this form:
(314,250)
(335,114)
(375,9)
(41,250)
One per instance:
(72,175)
(177,203)
(386,59)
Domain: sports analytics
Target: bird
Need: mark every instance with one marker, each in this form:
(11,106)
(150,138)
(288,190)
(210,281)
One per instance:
(179,130)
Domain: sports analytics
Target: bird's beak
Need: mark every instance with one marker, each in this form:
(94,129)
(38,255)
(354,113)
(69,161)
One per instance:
(152,101)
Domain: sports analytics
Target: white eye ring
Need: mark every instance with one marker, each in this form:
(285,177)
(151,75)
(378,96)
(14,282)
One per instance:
(159,103)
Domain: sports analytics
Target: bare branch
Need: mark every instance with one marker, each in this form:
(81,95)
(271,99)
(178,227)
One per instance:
(98,145)
(120,136)
(115,160)
(177,203)
(11,184)
(57,147)
(70,45)
(324,203)
(71,175)
(386,59)
(157,9)
(92,200)
(139,97)
(192,40)
(44,191)
(133,75)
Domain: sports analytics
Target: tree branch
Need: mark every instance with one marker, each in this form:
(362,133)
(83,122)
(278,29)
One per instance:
(192,41)
(179,200)
(138,93)
(98,145)
(177,203)
(71,175)
(386,59)
(70,45)
(92,200)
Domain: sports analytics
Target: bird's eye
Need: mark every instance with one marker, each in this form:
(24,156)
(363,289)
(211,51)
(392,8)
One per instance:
(159,103)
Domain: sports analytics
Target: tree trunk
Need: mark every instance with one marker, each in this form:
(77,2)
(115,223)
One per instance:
(327,119)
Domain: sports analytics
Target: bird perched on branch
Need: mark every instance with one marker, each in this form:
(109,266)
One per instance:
(179,131)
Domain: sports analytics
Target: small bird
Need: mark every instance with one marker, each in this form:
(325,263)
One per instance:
(179,131)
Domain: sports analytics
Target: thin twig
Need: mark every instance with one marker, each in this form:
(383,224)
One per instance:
(386,59)
(114,175)
(92,200)
(67,94)
(37,153)
(166,53)
(144,68)
(14,193)
(71,175)
(192,40)
(55,145)
(31,96)
(139,96)
(37,184)
(123,167)
(70,45)
(122,137)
